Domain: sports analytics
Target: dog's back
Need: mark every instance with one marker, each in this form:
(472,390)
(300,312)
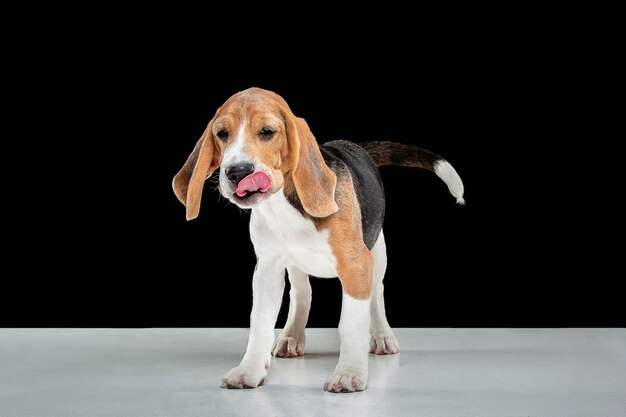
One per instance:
(342,155)
(360,162)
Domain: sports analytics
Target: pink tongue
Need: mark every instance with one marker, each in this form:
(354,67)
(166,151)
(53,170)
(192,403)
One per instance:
(253,182)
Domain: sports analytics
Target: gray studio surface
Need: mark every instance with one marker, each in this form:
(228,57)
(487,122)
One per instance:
(439,372)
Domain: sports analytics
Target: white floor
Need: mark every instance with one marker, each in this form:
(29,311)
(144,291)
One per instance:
(439,372)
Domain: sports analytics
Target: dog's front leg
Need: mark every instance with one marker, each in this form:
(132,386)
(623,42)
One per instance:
(355,273)
(268,284)
(351,371)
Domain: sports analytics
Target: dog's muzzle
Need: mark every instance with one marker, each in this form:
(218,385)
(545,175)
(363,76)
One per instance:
(247,185)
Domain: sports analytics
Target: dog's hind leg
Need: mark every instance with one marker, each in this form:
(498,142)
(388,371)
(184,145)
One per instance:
(290,342)
(383,341)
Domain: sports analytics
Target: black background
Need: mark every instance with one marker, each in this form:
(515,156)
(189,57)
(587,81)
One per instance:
(97,238)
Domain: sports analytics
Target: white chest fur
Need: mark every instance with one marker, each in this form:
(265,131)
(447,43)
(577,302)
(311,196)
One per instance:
(278,231)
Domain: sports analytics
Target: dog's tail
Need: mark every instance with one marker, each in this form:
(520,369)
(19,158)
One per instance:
(391,153)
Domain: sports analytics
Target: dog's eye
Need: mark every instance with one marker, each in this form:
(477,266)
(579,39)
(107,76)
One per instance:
(222,134)
(266,133)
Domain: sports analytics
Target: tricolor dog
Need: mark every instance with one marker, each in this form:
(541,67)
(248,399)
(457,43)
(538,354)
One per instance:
(315,210)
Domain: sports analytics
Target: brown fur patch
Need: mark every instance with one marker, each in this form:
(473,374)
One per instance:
(189,181)
(314,182)
(391,153)
(354,260)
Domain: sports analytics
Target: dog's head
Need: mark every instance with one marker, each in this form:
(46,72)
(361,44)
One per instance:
(261,148)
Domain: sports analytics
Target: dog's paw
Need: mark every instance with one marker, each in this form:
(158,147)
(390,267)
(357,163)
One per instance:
(245,377)
(345,381)
(384,344)
(288,347)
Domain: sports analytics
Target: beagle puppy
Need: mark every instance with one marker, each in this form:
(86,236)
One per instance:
(315,210)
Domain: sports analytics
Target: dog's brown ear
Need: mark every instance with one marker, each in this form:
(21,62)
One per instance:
(189,181)
(315,183)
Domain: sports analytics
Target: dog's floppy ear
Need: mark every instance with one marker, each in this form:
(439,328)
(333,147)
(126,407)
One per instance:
(189,181)
(315,183)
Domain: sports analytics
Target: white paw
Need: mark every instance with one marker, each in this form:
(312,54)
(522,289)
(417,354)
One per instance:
(288,347)
(245,377)
(345,382)
(384,344)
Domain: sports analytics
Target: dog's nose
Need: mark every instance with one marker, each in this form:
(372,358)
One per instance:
(237,172)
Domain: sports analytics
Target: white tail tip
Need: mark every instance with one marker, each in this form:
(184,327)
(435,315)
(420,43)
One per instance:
(448,174)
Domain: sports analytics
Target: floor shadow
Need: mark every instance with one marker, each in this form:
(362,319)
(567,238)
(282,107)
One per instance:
(313,356)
